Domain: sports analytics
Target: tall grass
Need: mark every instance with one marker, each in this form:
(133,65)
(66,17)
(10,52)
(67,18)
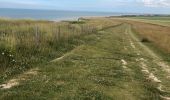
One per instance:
(159,35)
(25,42)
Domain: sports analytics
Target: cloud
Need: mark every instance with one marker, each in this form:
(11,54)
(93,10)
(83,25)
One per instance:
(156,3)
(116,2)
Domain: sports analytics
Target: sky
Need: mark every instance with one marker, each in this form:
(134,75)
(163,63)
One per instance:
(123,6)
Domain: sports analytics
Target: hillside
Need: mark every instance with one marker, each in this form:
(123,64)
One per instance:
(94,59)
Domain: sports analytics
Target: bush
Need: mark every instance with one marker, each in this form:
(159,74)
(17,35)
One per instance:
(145,40)
(76,22)
(6,58)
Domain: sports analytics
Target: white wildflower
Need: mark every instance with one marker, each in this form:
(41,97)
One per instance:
(3,53)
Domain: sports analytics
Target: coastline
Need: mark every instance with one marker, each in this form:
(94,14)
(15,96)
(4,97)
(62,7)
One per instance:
(53,20)
(50,15)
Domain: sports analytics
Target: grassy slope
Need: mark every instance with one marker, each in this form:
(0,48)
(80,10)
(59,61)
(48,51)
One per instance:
(152,44)
(94,70)
(91,71)
(161,55)
(164,21)
(33,42)
(157,34)
(153,57)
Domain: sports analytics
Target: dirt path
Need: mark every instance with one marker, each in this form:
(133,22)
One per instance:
(111,64)
(22,77)
(156,60)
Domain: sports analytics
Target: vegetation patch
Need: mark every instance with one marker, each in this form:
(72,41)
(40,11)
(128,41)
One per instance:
(78,61)
(77,22)
(145,40)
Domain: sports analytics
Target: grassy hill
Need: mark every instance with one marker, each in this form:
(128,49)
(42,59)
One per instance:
(97,59)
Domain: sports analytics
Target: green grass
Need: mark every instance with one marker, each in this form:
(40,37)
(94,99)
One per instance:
(90,67)
(91,71)
(76,22)
(25,43)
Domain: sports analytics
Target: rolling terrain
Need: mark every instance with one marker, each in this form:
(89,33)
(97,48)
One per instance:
(116,59)
(163,21)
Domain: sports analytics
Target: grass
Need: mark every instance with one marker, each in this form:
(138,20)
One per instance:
(163,21)
(159,35)
(91,64)
(154,18)
(153,45)
(25,43)
(90,71)
(76,22)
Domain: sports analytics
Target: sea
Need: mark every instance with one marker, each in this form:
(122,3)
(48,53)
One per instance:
(53,15)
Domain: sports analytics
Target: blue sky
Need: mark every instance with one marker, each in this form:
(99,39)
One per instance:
(133,6)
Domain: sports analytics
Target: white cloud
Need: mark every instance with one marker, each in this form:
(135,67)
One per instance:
(148,3)
(156,3)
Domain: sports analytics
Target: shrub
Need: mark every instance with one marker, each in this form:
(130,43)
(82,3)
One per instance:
(77,22)
(145,40)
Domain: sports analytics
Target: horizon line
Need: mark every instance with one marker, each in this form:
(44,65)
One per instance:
(135,13)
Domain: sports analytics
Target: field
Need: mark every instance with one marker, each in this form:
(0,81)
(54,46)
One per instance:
(155,33)
(164,21)
(89,59)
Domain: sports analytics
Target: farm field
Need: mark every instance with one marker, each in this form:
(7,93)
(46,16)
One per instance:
(89,59)
(164,21)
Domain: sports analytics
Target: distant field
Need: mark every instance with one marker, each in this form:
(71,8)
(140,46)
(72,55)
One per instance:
(154,18)
(165,21)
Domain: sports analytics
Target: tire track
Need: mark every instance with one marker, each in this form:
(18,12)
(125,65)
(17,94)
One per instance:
(143,63)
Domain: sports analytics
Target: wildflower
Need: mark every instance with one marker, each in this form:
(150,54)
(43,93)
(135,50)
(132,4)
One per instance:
(13,60)
(3,53)
(11,55)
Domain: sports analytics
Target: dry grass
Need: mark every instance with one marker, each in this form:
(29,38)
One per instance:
(159,35)
(25,42)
